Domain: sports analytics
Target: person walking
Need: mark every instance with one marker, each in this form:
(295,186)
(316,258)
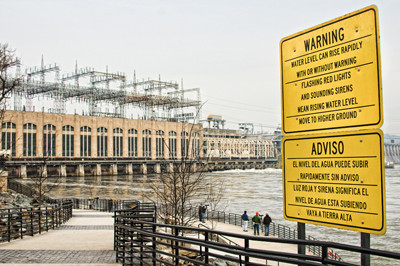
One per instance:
(200,211)
(245,219)
(203,213)
(256,224)
(266,221)
(115,202)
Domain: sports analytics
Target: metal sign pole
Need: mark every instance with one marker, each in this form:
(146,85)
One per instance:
(301,234)
(365,243)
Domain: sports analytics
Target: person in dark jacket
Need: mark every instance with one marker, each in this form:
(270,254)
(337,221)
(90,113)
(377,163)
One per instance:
(256,224)
(245,219)
(203,213)
(200,212)
(266,221)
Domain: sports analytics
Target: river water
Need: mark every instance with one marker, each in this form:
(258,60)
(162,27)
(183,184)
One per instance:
(251,190)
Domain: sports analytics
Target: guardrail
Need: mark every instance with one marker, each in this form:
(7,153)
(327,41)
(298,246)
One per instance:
(26,190)
(141,242)
(104,205)
(127,218)
(218,237)
(278,230)
(19,222)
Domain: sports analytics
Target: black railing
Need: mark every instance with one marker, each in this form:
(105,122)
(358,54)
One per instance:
(143,242)
(124,244)
(104,205)
(219,238)
(278,230)
(19,222)
(27,190)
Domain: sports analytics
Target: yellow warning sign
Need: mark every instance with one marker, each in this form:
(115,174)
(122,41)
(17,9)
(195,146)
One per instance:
(335,180)
(330,75)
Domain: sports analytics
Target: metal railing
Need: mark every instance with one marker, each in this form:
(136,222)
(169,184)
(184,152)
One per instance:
(19,222)
(143,242)
(219,238)
(278,230)
(104,205)
(26,190)
(124,244)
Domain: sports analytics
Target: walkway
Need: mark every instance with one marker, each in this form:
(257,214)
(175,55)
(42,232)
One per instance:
(271,246)
(87,238)
(254,244)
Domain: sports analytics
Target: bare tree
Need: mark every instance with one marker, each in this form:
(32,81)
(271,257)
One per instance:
(41,184)
(179,191)
(9,78)
(215,191)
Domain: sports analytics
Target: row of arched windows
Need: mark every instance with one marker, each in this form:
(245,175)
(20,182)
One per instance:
(226,148)
(49,141)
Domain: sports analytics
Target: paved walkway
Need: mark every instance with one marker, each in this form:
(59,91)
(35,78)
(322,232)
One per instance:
(255,244)
(289,248)
(87,238)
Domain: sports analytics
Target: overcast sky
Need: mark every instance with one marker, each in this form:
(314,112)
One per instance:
(229,49)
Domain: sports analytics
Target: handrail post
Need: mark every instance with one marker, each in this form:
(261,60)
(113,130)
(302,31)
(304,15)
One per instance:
(141,245)
(9,225)
(52,216)
(40,220)
(324,254)
(62,213)
(206,248)
(176,247)
(47,221)
(115,231)
(58,216)
(154,246)
(31,215)
(21,222)
(246,247)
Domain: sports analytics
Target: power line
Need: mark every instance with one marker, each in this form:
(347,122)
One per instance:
(239,108)
(235,102)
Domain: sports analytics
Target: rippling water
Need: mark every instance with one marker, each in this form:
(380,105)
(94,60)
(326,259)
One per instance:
(251,190)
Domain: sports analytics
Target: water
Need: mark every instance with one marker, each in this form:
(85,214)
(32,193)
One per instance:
(251,190)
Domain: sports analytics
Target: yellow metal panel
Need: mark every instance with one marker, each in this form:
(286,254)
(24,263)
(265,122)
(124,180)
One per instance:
(335,180)
(330,76)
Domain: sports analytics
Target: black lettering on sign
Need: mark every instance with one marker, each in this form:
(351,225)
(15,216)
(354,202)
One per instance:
(328,147)
(327,38)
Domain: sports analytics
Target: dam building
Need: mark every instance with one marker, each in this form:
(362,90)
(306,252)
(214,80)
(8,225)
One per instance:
(90,122)
(89,145)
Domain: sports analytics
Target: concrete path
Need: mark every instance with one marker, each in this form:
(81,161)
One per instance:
(87,238)
(289,248)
